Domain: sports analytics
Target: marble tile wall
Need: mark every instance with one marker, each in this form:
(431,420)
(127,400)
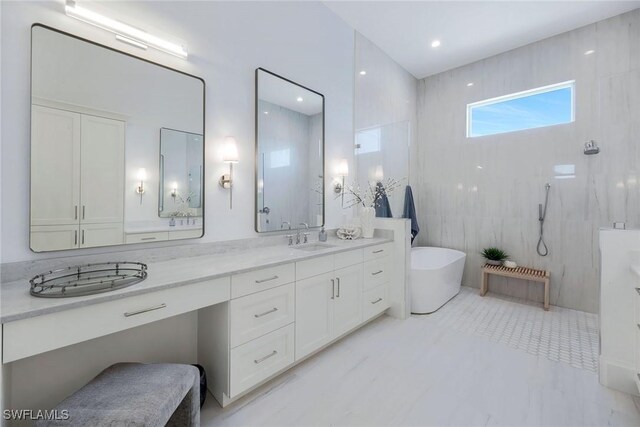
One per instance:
(474,193)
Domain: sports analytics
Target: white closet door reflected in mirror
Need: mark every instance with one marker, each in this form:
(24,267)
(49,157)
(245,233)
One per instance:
(289,154)
(98,117)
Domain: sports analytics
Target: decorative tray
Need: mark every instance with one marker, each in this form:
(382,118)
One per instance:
(87,279)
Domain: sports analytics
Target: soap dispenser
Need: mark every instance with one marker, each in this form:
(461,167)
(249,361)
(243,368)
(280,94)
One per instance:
(322,235)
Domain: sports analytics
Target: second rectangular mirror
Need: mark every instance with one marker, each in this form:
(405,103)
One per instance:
(289,154)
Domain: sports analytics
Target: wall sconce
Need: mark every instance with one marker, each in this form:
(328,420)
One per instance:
(229,155)
(343,171)
(174,191)
(142,177)
(378,175)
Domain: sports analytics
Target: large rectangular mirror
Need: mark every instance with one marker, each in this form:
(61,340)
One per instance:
(117,150)
(289,154)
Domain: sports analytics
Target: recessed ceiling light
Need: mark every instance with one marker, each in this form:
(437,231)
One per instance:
(363,73)
(435,43)
(589,52)
(469,84)
(299,99)
(479,167)
(266,112)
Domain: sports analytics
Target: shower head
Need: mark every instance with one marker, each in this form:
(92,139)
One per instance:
(591,147)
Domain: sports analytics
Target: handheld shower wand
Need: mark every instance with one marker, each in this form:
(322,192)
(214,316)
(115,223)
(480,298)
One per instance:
(542,214)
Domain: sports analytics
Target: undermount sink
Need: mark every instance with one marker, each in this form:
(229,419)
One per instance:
(310,247)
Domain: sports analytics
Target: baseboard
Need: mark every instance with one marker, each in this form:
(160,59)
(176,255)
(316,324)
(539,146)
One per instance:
(618,376)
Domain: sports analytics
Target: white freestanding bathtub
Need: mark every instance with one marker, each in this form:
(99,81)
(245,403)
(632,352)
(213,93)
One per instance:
(436,277)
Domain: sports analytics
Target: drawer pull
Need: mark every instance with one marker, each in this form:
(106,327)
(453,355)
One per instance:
(376,301)
(333,288)
(273,310)
(338,294)
(144,310)
(148,238)
(376,273)
(267,280)
(262,359)
(378,251)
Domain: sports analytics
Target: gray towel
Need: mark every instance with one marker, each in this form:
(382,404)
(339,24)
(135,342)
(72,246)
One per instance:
(410,212)
(383,208)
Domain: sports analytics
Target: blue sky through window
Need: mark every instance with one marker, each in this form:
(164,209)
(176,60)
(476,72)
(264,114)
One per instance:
(531,110)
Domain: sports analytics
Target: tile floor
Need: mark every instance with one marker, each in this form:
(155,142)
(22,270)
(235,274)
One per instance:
(453,368)
(561,334)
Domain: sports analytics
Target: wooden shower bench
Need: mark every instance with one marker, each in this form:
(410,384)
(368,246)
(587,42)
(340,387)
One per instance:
(524,273)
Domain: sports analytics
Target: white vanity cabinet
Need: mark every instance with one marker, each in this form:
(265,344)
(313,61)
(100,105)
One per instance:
(328,299)
(35,335)
(327,305)
(279,315)
(378,269)
(250,338)
(314,313)
(68,148)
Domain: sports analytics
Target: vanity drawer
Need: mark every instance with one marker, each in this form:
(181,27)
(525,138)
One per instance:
(376,272)
(314,267)
(259,359)
(260,280)
(27,337)
(374,301)
(257,314)
(185,234)
(156,236)
(377,251)
(346,259)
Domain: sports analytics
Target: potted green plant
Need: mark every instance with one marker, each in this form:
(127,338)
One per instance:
(494,256)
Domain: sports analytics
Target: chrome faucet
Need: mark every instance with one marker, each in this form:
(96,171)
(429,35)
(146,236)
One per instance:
(305,234)
(288,236)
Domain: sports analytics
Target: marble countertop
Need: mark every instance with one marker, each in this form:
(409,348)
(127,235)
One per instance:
(16,302)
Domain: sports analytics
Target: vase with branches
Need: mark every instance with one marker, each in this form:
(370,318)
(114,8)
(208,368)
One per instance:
(368,198)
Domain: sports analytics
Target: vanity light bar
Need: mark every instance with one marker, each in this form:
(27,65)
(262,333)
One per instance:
(132,42)
(123,31)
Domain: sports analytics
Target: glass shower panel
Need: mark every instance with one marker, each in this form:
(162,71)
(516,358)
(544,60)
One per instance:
(382,152)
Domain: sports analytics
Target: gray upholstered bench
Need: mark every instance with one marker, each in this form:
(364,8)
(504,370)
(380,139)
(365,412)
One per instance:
(135,394)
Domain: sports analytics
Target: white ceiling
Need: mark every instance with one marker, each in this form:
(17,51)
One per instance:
(285,94)
(469,30)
